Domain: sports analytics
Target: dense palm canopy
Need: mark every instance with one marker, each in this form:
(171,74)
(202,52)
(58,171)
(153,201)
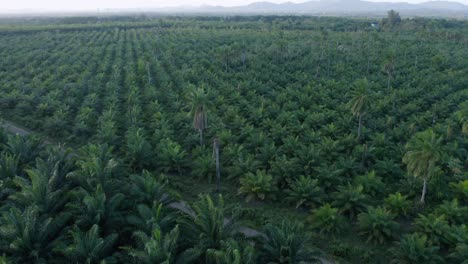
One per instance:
(284,96)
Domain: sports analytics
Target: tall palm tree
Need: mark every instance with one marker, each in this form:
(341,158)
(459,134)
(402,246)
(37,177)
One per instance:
(423,153)
(462,117)
(389,66)
(360,101)
(199,103)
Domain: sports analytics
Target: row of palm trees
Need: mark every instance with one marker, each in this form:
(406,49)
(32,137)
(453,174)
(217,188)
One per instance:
(58,206)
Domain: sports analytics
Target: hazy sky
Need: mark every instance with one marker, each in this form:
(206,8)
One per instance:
(6,5)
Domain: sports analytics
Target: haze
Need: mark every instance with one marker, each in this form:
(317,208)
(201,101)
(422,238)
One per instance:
(9,5)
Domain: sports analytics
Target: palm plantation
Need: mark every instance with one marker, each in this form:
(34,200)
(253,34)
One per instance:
(114,173)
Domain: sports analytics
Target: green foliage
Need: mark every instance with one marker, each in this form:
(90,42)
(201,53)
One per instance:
(26,236)
(393,19)
(360,99)
(461,189)
(398,204)
(286,244)
(119,89)
(26,149)
(350,199)
(233,252)
(146,188)
(3,260)
(415,248)
(453,212)
(40,190)
(171,156)
(423,153)
(207,230)
(373,185)
(8,170)
(90,247)
(98,208)
(328,220)
(460,255)
(434,226)
(204,167)
(378,224)
(8,166)
(146,219)
(157,248)
(139,152)
(305,191)
(257,186)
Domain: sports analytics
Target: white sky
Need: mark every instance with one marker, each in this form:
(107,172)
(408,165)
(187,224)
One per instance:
(8,5)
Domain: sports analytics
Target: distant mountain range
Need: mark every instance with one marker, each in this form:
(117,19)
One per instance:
(313,7)
(334,7)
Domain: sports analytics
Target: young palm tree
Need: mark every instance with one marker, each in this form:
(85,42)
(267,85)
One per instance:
(208,229)
(423,153)
(156,248)
(147,189)
(90,247)
(99,208)
(38,190)
(9,168)
(415,248)
(146,218)
(199,103)
(233,252)
(28,237)
(360,101)
(350,199)
(305,191)
(286,244)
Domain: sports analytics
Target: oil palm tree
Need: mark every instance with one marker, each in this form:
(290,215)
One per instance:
(233,252)
(208,229)
(423,153)
(415,248)
(305,191)
(286,243)
(199,103)
(351,199)
(146,218)
(157,247)
(98,208)
(89,247)
(360,101)
(147,189)
(9,168)
(28,237)
(39,190)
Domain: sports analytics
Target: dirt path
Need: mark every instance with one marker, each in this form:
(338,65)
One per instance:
(14,129)
(182,206)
